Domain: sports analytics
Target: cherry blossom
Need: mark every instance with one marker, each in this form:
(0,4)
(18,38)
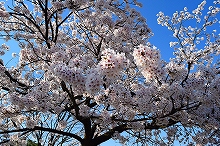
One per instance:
(87,73)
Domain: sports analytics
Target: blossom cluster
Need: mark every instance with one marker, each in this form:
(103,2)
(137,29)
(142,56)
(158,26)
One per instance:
(148,62)
(94,81)
(2,68)
(73,76)
(112,63)
(3,12)
(176,71)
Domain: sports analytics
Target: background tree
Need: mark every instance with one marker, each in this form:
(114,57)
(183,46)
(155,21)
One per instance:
(87,74)
(31,143)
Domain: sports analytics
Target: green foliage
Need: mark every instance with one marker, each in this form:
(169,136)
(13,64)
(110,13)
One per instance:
(31,143)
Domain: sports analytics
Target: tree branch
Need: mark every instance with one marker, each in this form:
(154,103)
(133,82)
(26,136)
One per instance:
(108,135)
(44,129)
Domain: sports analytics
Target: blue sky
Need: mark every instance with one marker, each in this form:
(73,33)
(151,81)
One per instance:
(162,36)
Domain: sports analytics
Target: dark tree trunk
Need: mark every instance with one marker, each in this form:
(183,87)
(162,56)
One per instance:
(88,143)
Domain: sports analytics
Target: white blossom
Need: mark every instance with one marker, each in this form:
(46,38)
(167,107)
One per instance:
(87,72)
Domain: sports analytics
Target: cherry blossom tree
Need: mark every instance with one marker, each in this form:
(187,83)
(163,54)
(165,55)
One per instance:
(87,73)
